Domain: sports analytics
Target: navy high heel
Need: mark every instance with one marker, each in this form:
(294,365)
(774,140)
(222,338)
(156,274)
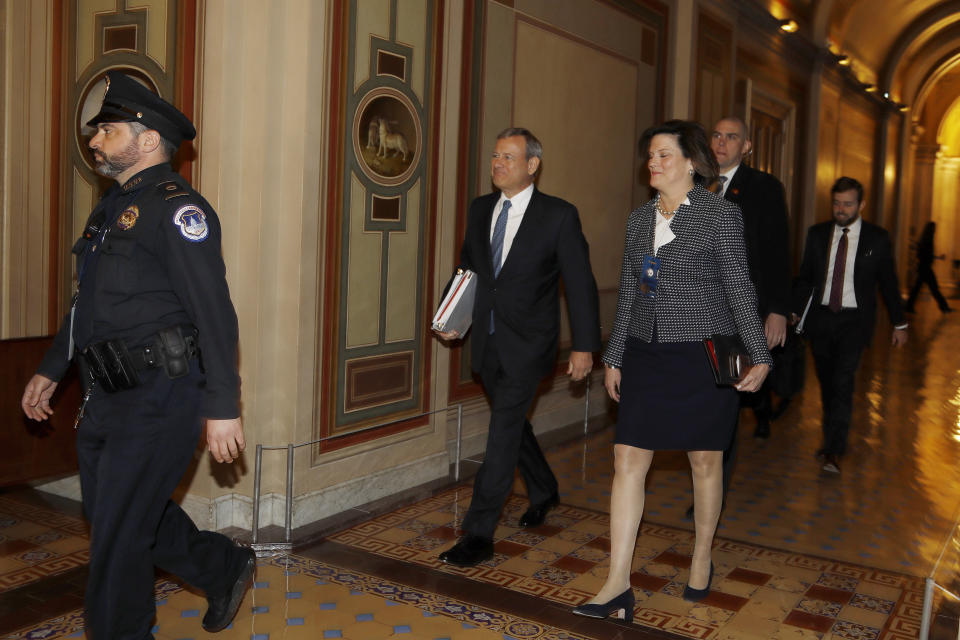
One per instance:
(696,595)
(624,601)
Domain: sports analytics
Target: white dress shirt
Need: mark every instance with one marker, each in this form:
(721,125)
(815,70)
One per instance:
(518,206)
(663,233)
(728,174)
(849,300)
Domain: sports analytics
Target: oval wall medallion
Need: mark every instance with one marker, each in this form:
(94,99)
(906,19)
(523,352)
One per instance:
(387,136)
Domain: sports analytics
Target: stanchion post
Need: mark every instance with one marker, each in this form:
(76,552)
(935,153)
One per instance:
(927,609)
(586,406)
(288,517)
(456,467)
(257,467)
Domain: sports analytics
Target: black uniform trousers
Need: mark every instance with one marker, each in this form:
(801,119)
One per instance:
(836,341)
(510,442)
(926,275)
(133,448)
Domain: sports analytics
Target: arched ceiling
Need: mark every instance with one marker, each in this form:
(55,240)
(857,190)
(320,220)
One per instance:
(904,47)
(948,135)
(909,50)
(867,30)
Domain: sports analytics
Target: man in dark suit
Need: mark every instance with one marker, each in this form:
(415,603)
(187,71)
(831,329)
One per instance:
(844,262)
(763,202)
(519,242)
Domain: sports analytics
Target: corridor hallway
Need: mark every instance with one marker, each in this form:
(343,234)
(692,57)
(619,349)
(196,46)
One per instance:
(799,553)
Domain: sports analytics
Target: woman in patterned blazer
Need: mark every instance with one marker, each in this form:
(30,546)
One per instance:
(684,278)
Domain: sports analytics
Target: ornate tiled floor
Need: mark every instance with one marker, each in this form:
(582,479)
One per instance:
(37,542)
(758,592)
(296,598)
(799,554)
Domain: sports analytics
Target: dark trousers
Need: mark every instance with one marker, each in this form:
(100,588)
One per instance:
(133,448)
(925,275)
(760,401)
(510,442)
(837,344)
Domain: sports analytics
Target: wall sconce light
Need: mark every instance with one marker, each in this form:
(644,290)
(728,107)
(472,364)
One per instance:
(843,61)
(886,95)
(904,108)
(870,88)
(789,26)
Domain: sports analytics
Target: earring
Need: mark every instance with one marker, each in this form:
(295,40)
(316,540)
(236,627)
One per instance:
(690,171)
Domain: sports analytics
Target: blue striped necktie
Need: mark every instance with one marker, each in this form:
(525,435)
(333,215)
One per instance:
(496,245)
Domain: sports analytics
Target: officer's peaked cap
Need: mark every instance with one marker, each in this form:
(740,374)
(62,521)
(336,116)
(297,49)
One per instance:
(126,100)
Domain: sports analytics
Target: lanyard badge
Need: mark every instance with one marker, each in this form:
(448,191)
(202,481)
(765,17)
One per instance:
(649,273)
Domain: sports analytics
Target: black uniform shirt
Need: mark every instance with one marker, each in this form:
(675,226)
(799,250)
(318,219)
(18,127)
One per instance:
(156,263)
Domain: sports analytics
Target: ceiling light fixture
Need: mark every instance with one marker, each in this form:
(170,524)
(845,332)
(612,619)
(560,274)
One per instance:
(789,26)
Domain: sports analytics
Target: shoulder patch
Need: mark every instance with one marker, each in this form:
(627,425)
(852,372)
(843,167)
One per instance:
(192,222)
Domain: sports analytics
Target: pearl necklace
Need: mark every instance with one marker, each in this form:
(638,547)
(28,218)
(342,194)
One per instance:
(659,208)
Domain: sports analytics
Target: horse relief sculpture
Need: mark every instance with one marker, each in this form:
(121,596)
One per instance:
(390,141)
(386,139)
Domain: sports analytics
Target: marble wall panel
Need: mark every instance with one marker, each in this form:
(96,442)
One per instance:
(586,78)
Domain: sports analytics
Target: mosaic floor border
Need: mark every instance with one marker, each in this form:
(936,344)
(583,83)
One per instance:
(38,542)
(471,616)
(759,592)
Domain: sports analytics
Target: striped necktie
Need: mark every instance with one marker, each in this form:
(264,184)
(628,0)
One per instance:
(496,245)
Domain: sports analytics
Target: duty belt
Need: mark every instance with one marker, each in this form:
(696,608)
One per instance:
(114,365)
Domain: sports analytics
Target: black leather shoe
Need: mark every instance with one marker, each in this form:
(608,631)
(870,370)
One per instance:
(536,514)
(623,602)
(221,609)
(696,595)
(468,552)
(762,432)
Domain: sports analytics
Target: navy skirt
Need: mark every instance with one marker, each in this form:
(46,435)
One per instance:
(669,400)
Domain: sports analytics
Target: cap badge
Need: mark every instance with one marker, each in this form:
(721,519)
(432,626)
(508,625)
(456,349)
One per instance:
(192,222)
(128,218)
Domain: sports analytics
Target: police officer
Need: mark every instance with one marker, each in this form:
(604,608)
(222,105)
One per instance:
(154,333)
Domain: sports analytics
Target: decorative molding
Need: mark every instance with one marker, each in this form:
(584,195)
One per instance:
(376,381)
(383,150)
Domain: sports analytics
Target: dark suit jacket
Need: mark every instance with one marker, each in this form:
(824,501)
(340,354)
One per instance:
(762,200)
(873,267)
(525,296)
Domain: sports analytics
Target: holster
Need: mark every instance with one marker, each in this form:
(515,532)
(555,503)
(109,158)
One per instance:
(174,351)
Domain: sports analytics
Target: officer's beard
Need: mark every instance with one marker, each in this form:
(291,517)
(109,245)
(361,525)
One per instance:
(112,166)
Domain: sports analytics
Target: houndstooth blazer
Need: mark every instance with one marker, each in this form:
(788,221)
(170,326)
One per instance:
(704,284)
